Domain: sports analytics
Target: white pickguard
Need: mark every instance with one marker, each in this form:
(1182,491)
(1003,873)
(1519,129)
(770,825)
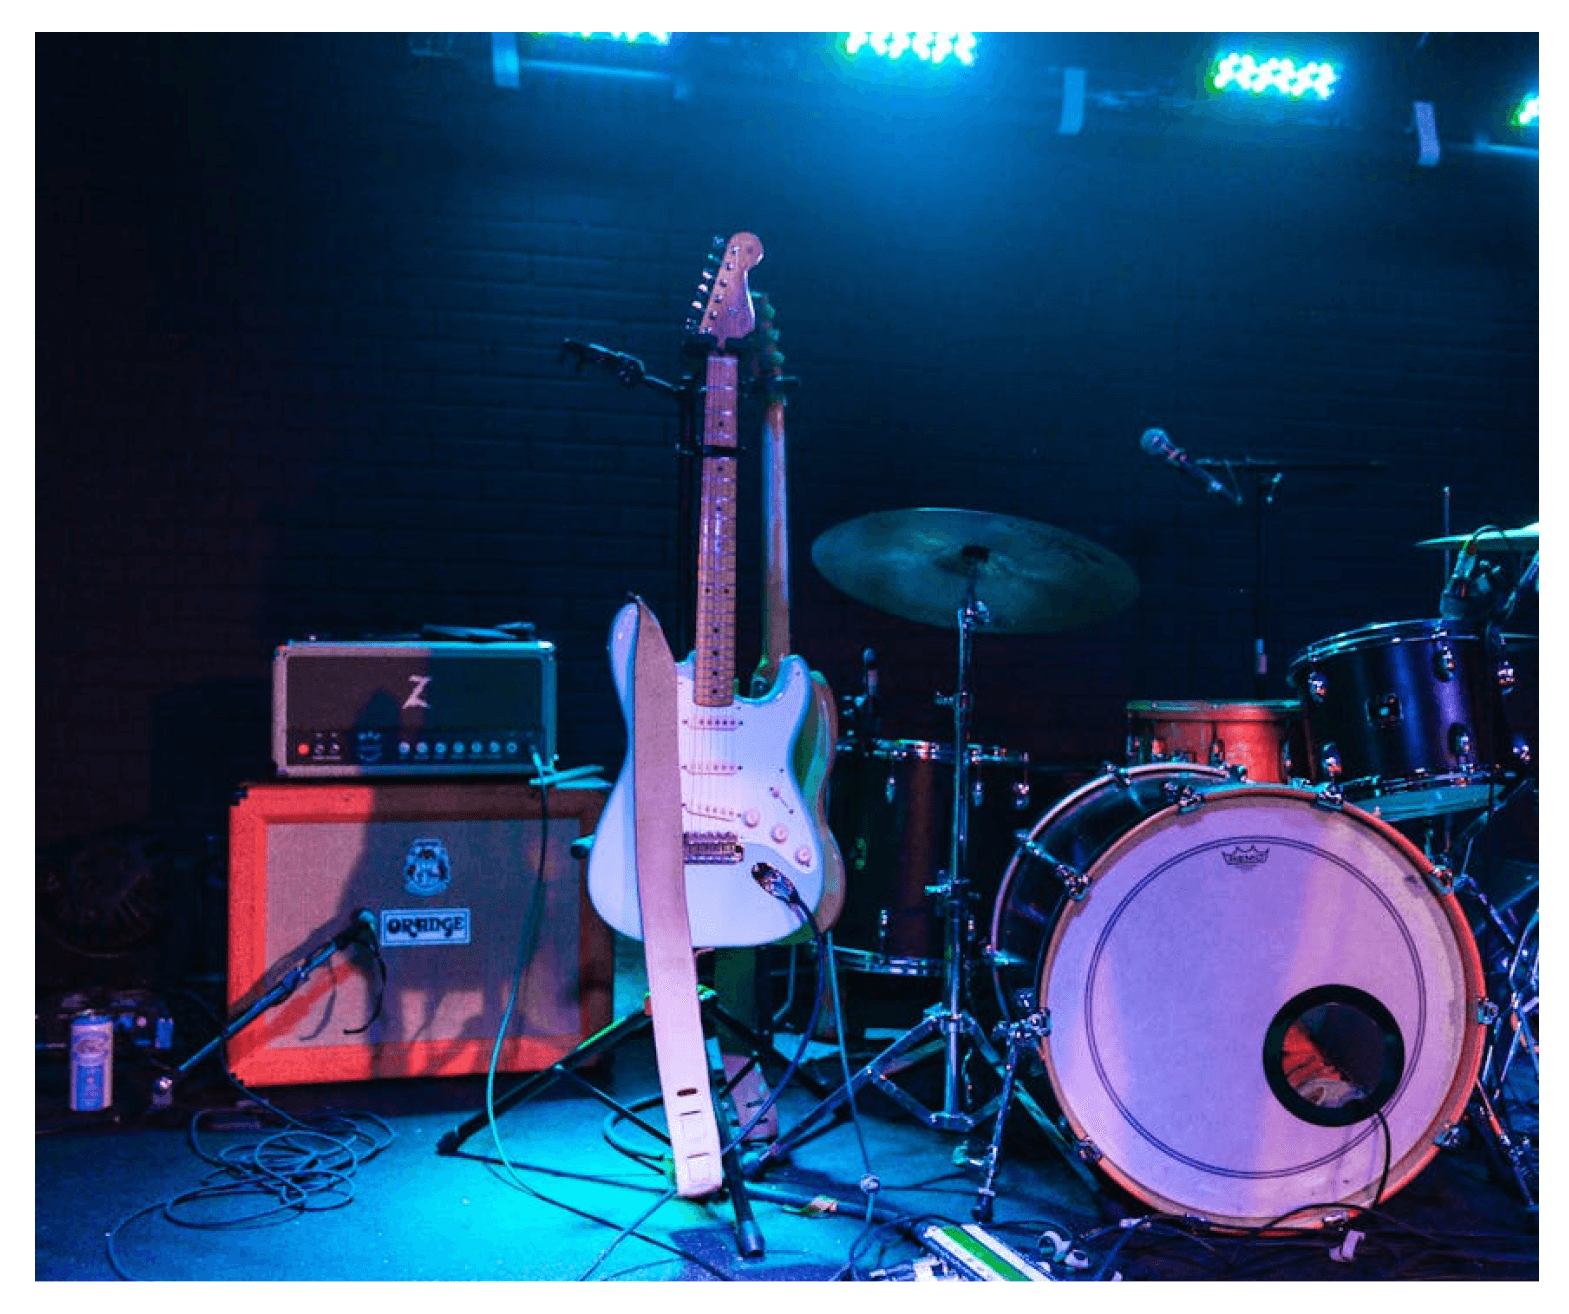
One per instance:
(736,780)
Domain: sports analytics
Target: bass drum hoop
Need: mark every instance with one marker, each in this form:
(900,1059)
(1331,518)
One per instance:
(1152,1177)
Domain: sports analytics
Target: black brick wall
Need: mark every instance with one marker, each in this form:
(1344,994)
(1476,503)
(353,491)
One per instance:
(299,314)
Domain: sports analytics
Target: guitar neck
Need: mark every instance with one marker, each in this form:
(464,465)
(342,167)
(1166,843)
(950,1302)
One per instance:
(776,546)
(714,654)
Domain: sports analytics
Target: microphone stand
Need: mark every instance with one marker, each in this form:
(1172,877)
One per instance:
(1267,477)
(292,980)
(629,370)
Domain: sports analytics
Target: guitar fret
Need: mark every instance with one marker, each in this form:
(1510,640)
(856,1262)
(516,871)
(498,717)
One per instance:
(714,656)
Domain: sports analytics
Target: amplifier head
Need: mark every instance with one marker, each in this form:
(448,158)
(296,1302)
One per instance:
(413,709)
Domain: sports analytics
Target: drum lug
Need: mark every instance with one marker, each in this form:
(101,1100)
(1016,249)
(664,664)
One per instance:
(1330,796)
(1030,1029)
(1074,881)
(1184,797)
(1486,1012)
(1443,657)
(1330,763)
(1449,1136)
(1441,878)
(1521,748)
(1087,1150)
(1506,674)
(1317,686)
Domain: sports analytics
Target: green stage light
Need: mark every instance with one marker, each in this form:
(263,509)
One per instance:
(630,38)
(1285,77)
(926,47)
(1528,112)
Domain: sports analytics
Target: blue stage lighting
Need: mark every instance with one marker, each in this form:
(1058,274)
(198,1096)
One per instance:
(1527,113)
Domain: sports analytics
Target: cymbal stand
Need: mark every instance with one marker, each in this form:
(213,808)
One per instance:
(949,1026)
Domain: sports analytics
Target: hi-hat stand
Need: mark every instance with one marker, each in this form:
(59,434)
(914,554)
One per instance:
(948,1029)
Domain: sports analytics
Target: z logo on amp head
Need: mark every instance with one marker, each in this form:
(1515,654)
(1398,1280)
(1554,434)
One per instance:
(416,696)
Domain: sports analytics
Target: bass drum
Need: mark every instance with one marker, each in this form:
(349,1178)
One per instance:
(1261,1009)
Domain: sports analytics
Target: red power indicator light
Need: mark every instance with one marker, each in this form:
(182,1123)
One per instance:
(304,750)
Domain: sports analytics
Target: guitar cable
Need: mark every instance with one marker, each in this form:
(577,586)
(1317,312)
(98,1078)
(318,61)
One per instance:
(776,883)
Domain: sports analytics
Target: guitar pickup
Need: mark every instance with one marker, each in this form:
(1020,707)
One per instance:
(711,846)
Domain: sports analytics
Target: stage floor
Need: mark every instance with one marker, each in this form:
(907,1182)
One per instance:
(565,1186)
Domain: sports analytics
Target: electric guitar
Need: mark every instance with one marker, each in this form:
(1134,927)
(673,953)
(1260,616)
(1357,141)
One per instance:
(742,809)
(815,746)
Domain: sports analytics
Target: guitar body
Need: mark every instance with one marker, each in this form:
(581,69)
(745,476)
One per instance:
(741,804)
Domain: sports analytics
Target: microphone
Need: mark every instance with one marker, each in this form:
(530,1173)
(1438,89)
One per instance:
(362,926)
(1466,590)
(1156,443)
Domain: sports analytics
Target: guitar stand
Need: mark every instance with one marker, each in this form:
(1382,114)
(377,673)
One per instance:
(749,1238)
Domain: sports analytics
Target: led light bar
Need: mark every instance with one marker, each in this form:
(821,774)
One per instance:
(630,38)
(926,47)
(1282,76)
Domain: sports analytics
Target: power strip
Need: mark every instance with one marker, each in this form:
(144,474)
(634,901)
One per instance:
(978,1256)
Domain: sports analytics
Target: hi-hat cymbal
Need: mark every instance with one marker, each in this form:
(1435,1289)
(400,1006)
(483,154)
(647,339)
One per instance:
(918,563)
(1491,539)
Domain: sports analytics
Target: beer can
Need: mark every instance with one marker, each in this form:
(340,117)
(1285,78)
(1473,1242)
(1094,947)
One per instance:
(92,1062)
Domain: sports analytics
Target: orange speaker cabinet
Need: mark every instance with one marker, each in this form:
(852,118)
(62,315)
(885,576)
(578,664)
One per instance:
(479,906)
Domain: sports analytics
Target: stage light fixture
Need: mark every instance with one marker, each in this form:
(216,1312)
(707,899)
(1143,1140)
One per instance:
(629,38)
(1246,72)
(1527,112)
(924,47)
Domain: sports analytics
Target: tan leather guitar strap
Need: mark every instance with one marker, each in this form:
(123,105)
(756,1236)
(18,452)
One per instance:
(679,1046)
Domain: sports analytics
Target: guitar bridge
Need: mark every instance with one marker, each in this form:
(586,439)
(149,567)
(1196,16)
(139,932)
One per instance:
(711,846)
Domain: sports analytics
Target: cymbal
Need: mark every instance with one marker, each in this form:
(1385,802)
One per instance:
(1490,539)
(1032,578)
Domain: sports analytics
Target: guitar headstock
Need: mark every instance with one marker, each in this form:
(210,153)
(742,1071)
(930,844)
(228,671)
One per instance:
(768,362)
(724,306)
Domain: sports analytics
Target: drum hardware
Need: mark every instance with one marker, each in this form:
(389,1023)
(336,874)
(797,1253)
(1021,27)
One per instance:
(1023,1039)
(1074,882)
(1516,1152)
(1267,475)
(1040,584)
(1508,1012)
